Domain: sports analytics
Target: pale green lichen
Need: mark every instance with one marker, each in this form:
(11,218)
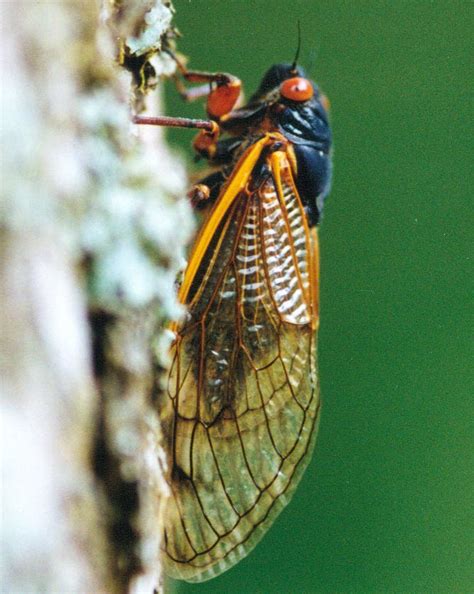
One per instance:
(94,222)
(121,204)
(135,227)
(157,21)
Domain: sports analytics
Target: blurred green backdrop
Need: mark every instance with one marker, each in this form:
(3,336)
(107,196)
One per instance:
(386,504)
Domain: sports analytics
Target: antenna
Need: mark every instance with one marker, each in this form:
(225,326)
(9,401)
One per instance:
(298,48)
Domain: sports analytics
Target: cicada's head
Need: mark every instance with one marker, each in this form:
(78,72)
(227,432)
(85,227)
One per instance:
(294,104)
(270,86)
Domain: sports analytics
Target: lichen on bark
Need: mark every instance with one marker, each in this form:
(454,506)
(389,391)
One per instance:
(94,225)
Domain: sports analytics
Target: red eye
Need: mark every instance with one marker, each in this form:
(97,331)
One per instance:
(297,89)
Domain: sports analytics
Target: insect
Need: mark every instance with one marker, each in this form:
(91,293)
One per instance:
(242,402)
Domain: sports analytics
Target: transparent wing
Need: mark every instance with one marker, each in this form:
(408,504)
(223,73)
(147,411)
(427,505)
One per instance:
(242,398)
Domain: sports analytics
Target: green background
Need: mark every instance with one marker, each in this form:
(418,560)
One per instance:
(386,503)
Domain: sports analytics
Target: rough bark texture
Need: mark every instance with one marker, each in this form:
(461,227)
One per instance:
(93,233)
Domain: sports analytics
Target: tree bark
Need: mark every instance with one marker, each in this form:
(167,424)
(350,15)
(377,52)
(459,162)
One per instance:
(94,225)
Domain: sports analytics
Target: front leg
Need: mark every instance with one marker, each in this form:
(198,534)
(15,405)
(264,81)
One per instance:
(206,191)
(215,150)
(199,196)
(222,89)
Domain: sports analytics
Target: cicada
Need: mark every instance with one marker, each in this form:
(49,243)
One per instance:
(241,407)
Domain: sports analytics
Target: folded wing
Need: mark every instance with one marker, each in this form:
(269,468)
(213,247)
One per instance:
(242,399)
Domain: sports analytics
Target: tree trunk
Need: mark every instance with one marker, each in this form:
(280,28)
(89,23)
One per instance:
(94,225)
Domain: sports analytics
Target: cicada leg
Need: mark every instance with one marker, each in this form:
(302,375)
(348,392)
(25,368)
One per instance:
(203,194)
(199,196)
(221,89)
